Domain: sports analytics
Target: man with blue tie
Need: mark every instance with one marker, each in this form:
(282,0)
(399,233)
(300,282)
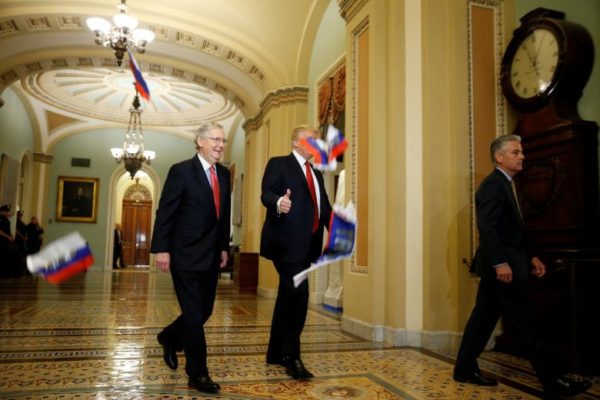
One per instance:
(191,240)
(292,236)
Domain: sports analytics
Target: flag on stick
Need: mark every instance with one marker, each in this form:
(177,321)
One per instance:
(61,259)
(140,83)
(340,240)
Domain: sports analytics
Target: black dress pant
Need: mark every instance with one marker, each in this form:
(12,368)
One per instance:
(289,314)
(196,295)
(495,299)
(118,257)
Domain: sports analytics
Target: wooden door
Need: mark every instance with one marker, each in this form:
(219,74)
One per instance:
(135,223)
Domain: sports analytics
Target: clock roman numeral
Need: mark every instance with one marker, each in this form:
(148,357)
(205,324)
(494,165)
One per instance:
(515,74)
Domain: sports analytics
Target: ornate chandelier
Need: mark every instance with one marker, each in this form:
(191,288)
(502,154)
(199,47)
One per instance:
(132,153)
(122,35)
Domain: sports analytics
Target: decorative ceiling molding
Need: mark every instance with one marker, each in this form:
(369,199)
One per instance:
(349,8)
(106,94)
(20,25)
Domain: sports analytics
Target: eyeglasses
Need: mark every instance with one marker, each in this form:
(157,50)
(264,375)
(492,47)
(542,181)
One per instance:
(218,140)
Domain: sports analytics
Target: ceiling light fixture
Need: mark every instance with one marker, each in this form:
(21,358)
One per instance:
(132,153)
(122,35)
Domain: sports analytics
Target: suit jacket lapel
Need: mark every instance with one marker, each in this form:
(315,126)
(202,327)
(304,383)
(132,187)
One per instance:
(202,180)
(298,172)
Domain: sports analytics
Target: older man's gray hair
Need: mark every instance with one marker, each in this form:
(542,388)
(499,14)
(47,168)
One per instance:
(202,131)
(498,144)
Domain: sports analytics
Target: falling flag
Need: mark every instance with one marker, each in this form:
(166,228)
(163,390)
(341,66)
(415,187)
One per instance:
(61,259)
(340,240)
(140,83)
(325,153)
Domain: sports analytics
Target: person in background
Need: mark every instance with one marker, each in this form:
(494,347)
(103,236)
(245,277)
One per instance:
(118,248)
(34,236)
(21,240)
(292,236)
(191,240)
(8,247)
(504,265)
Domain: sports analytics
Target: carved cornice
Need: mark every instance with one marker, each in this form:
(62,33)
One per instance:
(349,8)
(42,158)
(278,97)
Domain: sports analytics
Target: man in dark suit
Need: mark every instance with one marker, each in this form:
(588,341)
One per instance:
(34,236)
(292,236)
(191,239)
(504,266)
(118,247)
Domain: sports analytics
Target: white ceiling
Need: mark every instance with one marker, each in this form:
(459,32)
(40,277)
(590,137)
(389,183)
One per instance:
(212,59)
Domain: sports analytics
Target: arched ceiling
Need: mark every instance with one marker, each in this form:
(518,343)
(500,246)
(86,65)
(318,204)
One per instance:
(211,59)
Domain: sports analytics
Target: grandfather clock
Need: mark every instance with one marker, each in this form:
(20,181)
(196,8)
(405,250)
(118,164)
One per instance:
(544,70)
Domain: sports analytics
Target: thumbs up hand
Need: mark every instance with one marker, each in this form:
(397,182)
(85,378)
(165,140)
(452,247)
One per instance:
(285,203)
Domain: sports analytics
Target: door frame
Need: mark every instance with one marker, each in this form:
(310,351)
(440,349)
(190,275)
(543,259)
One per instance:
(114,202)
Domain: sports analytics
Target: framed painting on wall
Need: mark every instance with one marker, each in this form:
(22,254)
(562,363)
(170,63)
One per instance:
(77,199)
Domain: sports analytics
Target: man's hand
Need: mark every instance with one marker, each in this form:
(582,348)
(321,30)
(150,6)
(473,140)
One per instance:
(224,258)
(504,273)
(285,205)
(539,269)
(163,261)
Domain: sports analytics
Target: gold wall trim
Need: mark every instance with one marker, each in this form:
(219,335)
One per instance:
(42,158)
(360,29)
(497,7)
(277,97)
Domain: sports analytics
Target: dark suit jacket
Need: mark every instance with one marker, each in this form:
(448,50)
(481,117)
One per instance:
(501,229)
(287,237)
(118,239)
(186,223)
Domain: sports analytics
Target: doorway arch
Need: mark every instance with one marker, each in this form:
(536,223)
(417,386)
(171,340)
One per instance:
(119,183)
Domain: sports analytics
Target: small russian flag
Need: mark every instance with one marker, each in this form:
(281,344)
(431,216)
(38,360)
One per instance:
(336,141)
(325,154)
(317,148)
(140,83)
(61,259)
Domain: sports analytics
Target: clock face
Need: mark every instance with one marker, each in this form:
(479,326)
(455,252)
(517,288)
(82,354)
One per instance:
(534,64)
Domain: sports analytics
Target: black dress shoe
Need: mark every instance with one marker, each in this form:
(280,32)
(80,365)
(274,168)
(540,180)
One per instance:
(295,368)
(565,386)
(476,378)
(204,384)
(169,355)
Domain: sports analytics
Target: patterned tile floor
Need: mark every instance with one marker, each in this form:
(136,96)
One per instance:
(94,337)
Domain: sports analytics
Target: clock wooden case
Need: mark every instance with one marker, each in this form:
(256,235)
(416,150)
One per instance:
(544,71)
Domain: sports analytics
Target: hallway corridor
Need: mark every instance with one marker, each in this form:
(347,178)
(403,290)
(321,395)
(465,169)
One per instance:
(94,337)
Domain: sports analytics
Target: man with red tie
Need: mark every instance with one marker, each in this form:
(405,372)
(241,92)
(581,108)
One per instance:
(191,240)
(292,236)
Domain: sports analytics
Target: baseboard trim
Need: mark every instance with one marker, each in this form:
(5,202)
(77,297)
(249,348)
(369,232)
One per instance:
(405,337)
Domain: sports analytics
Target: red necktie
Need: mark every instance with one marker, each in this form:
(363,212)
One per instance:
(313,195)
(214,182)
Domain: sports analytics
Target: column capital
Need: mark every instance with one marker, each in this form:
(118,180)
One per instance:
(282,96)
(349,8)
(42,158)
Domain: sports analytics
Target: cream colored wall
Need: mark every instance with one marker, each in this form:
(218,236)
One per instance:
(415,284)
(447,287)
(375,299)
